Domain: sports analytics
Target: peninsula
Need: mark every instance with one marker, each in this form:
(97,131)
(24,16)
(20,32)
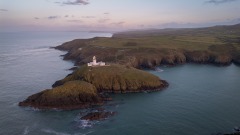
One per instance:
(218,45)
(127,52)
(86,87)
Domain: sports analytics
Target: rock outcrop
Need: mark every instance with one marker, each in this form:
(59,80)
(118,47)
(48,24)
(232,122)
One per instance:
(97,116)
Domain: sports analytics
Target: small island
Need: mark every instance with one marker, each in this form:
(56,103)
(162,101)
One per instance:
(88,85)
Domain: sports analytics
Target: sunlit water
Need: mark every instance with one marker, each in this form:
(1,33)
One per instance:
(201,99)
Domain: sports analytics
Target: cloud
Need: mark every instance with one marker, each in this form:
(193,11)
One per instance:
(75,21)
(53,17)
(66,16)
(76,2)
(3,10)
(103,20)
(36,18)
(219,1)
(88,17)
(118,23)
(106,13)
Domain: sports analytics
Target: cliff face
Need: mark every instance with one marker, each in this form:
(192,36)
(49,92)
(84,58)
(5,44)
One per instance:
(209,57)
(147,57)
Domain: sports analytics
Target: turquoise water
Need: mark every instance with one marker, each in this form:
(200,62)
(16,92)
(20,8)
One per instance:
(201,99)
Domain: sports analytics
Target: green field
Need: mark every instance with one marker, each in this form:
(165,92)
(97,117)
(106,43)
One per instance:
(149,48)
(220,39)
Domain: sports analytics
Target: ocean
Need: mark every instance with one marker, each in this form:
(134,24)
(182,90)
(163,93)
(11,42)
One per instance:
(201,99)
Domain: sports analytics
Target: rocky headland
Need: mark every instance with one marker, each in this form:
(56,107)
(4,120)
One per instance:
(86,87)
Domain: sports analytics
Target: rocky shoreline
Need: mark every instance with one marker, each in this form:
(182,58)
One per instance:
(143,58)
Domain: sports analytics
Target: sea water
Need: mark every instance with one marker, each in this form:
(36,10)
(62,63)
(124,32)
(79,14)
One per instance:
(200,100)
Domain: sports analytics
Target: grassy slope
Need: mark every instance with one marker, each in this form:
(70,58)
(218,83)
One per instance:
(116,78)
(72,88)
(72,93)
(83,88)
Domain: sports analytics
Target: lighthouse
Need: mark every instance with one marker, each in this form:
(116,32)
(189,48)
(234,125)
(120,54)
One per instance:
(94,60)
(95,63)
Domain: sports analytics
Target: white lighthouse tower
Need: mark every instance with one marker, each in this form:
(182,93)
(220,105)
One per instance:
(94,60)
(95,63)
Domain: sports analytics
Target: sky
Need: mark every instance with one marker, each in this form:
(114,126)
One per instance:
(115,15)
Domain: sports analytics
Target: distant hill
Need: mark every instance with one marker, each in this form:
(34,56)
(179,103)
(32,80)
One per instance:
(225,29)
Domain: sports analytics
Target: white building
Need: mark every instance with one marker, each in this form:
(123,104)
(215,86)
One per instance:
(95,63)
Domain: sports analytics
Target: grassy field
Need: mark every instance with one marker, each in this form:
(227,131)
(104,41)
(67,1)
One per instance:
(149,48)
(115,78)
(169,42)
(188,39)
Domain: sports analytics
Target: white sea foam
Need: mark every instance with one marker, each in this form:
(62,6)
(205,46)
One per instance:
(26,130)
(32,109)
(158,70)
(85,124)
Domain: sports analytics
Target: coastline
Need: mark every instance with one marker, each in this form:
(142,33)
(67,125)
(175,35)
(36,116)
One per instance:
(127,53)
(143,59)
(218,45)
(122,104)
